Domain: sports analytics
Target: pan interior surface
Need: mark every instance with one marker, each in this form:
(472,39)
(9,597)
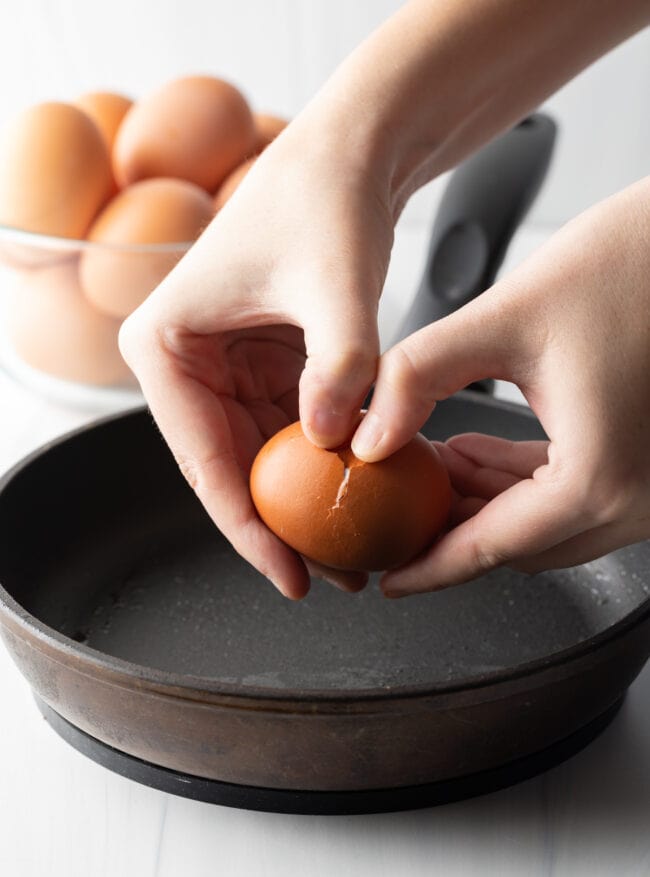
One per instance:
(195,607)
(105,543)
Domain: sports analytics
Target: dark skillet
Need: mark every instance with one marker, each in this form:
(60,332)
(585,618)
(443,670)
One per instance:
(155,649)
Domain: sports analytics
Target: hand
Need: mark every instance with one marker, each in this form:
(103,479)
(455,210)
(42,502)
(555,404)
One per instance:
(278,299)
(290,271)
(571,327)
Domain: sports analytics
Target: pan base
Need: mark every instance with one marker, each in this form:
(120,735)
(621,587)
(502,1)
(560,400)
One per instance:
(326,803)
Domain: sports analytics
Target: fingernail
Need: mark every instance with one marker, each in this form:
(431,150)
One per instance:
(367,436)
(388,589)
(392,594)
(327,425)
(279,587)
(394,587)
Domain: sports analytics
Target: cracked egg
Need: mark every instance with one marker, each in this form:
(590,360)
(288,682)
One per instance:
(341,512)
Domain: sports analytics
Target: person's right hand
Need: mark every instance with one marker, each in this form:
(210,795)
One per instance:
(571,327)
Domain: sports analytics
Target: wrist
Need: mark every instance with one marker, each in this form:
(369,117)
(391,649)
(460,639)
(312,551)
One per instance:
(333,139)
(442,77)
(372,143)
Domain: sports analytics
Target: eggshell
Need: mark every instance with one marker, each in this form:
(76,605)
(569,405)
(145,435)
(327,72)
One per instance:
(198,128)
(55,171)
(53,328)
(267,128)
(117,279)
(344,513)
(231,183)
(107,110)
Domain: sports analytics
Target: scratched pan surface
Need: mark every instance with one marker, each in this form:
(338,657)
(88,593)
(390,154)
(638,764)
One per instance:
(134,620)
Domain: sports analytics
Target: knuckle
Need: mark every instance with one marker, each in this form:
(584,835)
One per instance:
(206,475)
(619,483)
(239,539)
(136,338)
(566,485)
(399,369)
(126,339)
(595,496)
(485,556)
(190,470)
(400,372)
(344,376)
(611,500)
(356,362)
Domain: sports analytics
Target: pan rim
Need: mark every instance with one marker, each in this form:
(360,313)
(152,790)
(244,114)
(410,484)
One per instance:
(123,672)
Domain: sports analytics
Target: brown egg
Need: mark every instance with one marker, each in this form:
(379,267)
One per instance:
(53,328)
(55,171)
(197,128)
(344,513)
(118,277)
(231,183)
(267,128)
(107,110)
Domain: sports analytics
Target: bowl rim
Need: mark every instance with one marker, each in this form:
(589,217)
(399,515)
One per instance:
(39,240)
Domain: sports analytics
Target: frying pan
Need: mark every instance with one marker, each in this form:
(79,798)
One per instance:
(152,647)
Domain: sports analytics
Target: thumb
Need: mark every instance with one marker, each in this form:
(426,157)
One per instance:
(478,341)
(342,356)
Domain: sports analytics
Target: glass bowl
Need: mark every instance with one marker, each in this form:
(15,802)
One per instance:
(62,302)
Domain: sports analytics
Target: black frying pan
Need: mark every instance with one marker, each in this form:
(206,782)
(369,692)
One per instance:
(153,648)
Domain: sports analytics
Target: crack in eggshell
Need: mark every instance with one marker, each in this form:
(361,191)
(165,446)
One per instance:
(349,462)
(343,488)
(344,513)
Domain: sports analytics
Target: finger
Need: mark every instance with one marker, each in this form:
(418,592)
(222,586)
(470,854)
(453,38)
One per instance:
(582,548)
(490,452)
(469,479)
(475,342)
(350,581)
(208,460)
(342,356)
(525,520)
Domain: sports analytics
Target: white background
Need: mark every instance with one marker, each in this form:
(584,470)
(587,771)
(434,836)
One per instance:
(61,814)
(280,52)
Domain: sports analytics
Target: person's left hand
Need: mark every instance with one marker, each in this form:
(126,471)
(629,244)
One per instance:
(570,326)
(270,318)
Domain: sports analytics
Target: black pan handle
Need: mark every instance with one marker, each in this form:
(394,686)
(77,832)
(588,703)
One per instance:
(482,205)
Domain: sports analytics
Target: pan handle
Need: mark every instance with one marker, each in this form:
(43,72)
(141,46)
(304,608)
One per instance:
(482,205)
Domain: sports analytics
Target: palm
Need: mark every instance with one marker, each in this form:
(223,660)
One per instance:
(253,377)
